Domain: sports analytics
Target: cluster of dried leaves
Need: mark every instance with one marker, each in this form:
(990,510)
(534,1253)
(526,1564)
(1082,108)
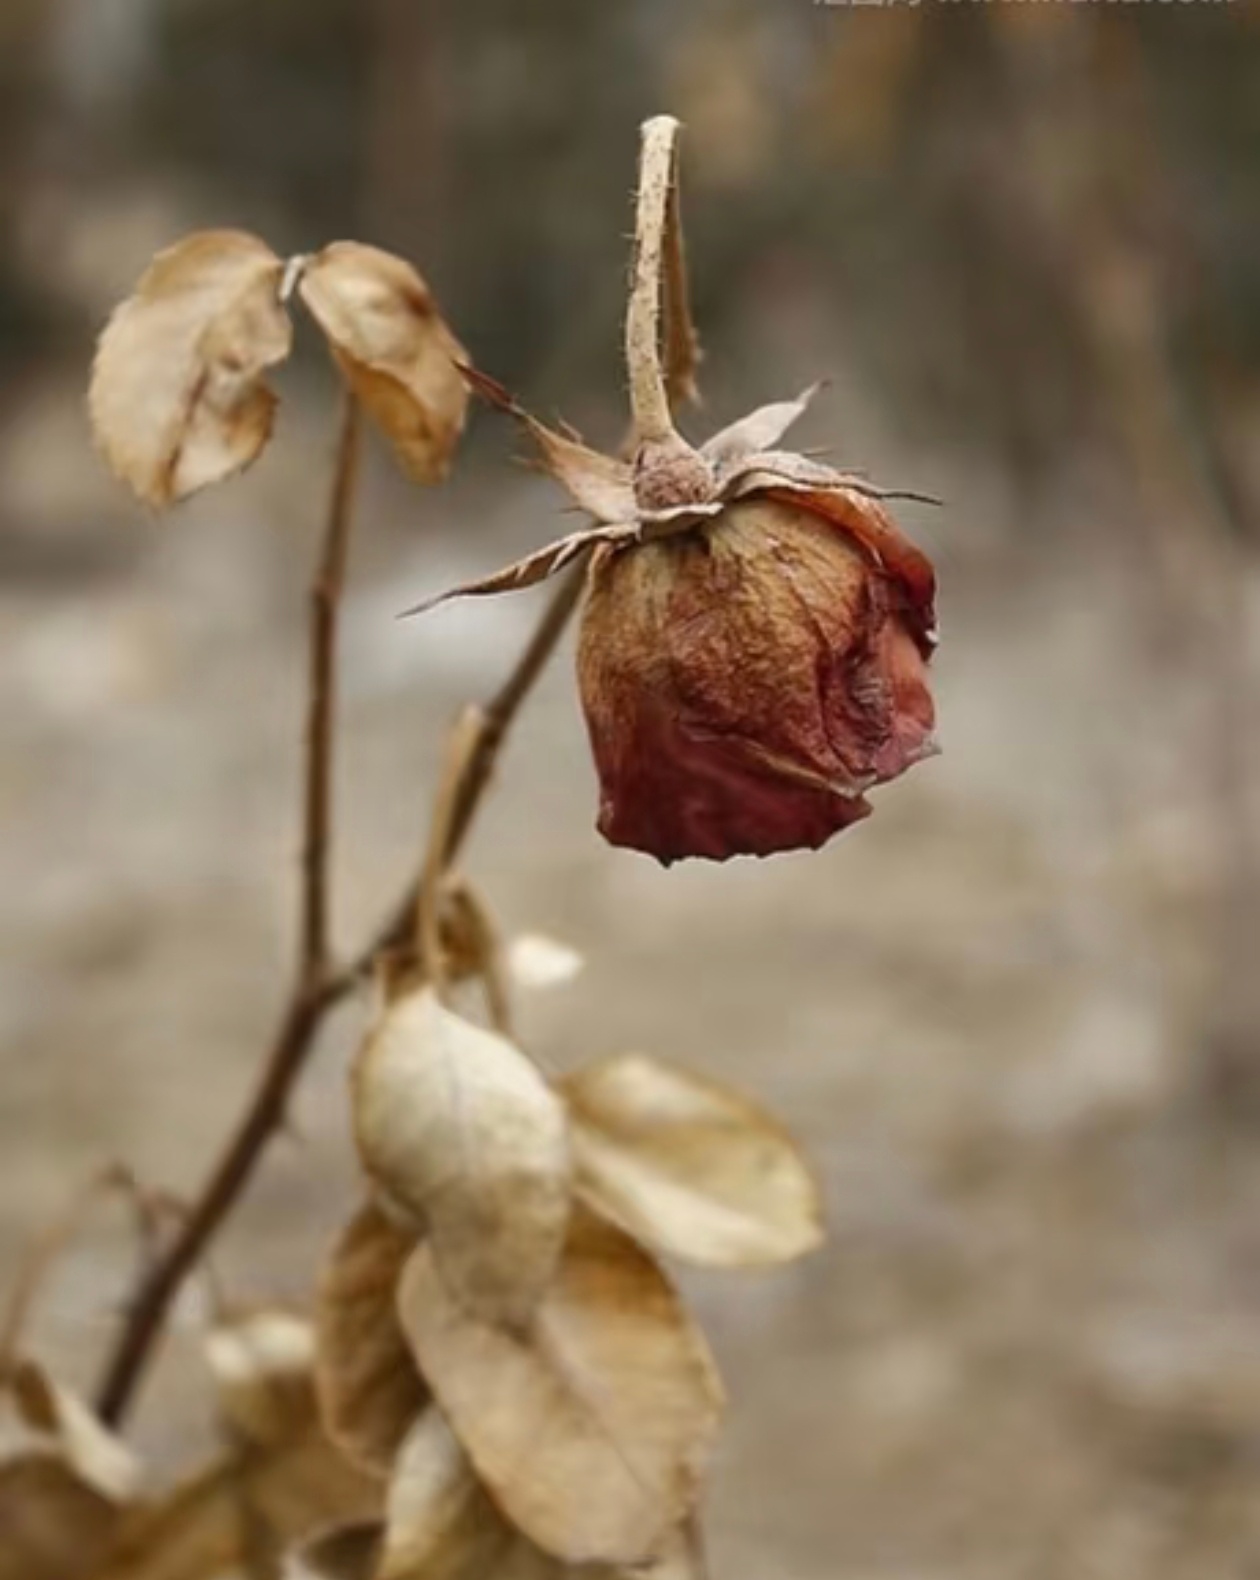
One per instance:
(498,1380)
(179,396)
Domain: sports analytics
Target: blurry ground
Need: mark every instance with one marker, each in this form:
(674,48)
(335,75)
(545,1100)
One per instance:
(1031,1348)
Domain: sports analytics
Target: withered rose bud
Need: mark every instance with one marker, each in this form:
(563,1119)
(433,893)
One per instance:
(746,683)
(754,647)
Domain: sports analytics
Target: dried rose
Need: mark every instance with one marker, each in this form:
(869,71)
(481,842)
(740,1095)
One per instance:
(754,645)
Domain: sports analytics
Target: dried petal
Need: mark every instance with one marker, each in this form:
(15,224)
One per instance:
(589,1428)
(178,399)
(692,1168)
(458,1125)
(370,1392)
(394,349)
(600,484)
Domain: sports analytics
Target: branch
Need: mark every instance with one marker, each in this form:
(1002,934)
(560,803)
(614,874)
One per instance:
(326,594)
(310,1001)
(314,990)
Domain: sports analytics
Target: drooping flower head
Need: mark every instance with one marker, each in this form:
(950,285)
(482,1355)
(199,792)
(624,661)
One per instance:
(755,638)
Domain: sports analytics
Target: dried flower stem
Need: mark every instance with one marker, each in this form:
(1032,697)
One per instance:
(649,396)
(302,1017)
(326,592)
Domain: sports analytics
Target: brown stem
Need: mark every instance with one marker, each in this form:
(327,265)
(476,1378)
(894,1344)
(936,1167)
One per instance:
(315,989)
(326,591)
(310,1001)
(649,397)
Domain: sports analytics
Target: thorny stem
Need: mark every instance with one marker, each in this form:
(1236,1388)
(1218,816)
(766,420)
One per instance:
(649,397)
(314,990)
(301,1019)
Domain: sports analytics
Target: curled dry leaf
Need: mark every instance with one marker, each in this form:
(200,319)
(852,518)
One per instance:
(439,1523)
(65,1481)
(692,1168)
(457,1125)
(178,398)
(369,1390)
(393,348)
(591,1427)
(262,1366)
(93,1453)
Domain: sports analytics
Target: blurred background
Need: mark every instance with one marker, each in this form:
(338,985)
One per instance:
(1015,1017)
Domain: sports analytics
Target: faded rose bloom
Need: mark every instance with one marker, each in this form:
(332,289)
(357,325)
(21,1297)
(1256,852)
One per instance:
(754,646)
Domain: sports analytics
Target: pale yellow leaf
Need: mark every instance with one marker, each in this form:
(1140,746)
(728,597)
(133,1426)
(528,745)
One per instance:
(457,1124)
(100,1460)
(195,1532)
(369,1390)
(589,1428)
(394,349)
(178,398)
(439,1523)
(692,1168)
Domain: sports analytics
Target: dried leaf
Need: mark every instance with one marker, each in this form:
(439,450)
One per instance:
(535,567)
(262,1365)
(600,484)
(458,1125)
(759,430)
(178,399)
(439,1523)
(195,1532)
(369,1390)
(536,961)
(93,1454)
(52,1525)
(350,1551)
(690,1167)
(394,349)
(591,1427)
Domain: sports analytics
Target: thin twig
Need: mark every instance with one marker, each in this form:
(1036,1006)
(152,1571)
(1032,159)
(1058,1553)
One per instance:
(44,1250)
(649,397)
(326,591)
(315,989)
(302,1017)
